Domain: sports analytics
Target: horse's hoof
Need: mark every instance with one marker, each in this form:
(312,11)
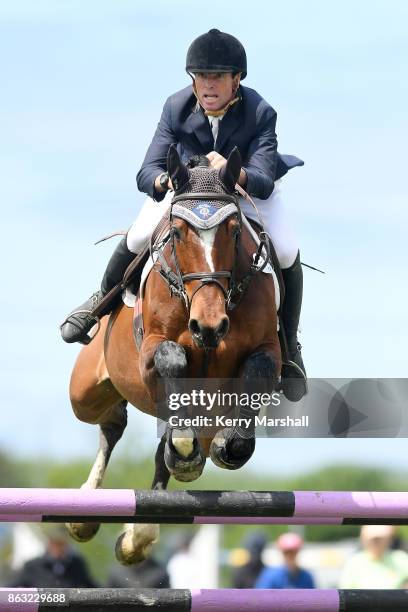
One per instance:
(183,455)
(293,382)
(82,532)
(229,451)
(187,471)
(134,544)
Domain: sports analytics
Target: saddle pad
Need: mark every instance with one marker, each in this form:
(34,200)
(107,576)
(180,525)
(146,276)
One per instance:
(129,297)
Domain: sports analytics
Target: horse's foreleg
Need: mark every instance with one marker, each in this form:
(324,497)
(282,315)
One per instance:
(135,543)
(182,452)
(232,447)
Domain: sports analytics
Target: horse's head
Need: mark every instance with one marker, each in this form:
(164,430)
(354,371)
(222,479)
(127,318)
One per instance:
(205,229)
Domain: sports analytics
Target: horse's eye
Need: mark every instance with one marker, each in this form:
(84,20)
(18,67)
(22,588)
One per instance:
(175,232)
(235,230)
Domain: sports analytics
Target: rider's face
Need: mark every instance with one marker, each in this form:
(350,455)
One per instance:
(215,89)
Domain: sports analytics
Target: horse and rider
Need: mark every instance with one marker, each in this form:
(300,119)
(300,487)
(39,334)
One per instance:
(212,165)
(211,117)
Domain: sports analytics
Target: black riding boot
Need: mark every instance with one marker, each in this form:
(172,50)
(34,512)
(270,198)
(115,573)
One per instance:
(76,326)
(292,304)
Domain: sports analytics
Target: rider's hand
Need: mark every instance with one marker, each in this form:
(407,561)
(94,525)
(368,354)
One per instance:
(217,161)
(159,188)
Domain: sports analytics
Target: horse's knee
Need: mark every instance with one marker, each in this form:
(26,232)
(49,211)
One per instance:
(260,365)
(85,411)
(79,400)
(90,404)
(170,360)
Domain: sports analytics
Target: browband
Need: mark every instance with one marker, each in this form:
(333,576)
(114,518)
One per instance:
(226,197)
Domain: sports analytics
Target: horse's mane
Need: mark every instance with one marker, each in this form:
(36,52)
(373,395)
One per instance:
(198,160)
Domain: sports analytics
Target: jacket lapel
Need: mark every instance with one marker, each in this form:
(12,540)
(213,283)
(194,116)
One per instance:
(199,125)
(227,126)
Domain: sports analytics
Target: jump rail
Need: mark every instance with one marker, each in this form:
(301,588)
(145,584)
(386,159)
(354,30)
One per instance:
(228,600)
(201,507)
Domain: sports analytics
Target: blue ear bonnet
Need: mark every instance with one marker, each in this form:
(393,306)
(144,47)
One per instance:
(204,213)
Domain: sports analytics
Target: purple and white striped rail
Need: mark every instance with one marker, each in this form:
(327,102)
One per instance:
(236,507)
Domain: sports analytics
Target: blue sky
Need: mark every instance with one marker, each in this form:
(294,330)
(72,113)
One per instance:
(83,85)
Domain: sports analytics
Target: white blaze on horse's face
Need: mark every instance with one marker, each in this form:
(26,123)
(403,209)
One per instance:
(207,238)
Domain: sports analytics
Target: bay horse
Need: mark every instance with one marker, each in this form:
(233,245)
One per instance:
(208,262)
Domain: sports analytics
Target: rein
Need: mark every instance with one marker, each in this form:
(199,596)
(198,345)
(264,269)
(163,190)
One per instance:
(176,280)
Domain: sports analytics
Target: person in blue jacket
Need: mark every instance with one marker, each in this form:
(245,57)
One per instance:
(289,575)
(210,117)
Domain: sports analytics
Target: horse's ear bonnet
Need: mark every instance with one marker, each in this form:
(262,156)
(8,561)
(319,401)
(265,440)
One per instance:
(204,209)
(229,173)
(177,170)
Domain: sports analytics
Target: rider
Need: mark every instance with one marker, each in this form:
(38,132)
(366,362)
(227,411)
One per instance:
(210,117)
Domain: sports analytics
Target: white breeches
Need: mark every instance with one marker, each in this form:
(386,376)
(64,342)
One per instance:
(272,212)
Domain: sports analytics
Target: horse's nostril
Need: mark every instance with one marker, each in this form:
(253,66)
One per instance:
(208,336)
(194,327)
(223,327)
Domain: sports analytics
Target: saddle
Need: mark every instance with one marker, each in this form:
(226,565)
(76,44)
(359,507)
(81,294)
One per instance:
(133,272)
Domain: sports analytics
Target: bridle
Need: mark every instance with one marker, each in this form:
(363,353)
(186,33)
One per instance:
(176,280)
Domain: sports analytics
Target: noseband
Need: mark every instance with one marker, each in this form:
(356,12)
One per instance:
(176,280)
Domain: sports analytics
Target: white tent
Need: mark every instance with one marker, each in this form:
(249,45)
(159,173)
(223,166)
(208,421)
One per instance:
(27,544)
(197,567)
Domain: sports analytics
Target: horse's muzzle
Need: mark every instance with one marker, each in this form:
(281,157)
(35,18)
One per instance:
(208,337)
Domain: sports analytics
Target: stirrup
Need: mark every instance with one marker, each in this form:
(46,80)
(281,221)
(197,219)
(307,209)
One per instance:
(83,320)
(87,338)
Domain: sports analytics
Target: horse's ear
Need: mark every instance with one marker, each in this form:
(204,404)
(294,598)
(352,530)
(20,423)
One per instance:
(229,173)
(177,170)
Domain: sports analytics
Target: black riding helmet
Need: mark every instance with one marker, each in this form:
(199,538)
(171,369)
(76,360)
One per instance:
(216,51)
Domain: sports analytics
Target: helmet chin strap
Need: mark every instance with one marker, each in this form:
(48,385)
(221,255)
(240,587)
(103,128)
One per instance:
(221,111)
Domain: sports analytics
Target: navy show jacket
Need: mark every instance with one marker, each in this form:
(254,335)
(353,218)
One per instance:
(249,124)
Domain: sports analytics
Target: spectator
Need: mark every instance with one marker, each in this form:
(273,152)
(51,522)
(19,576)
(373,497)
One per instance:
(289,575)
(59,566)
(147,574)
(376,566)
(245,576)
